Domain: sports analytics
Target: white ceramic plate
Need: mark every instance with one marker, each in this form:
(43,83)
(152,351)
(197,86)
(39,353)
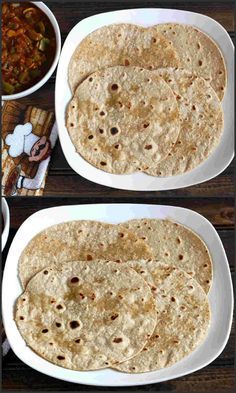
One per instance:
(6,222)
(220,158)
(220,296)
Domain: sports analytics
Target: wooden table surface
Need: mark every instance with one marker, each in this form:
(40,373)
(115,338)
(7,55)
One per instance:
(213,199)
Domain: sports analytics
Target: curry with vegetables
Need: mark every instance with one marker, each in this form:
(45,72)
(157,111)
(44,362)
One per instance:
(28,46)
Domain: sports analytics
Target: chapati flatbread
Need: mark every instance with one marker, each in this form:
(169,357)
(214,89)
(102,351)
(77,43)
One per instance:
(120,44)
(123,119)
(198,53)
(177,245)
(79,240)
(201,123)
(86,316)
(183,317)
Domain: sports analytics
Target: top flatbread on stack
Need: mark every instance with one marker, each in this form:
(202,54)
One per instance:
(123,119)
(82,315)
(198,53)
(79,240)
(121,44)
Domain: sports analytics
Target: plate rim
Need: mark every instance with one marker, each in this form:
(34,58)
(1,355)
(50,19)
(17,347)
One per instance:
(96,175)
(55,372)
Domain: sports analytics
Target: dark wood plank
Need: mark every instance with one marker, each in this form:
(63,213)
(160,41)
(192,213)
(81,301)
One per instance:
(221,11)
(67,184)
(217,379)
(43,98)
(219,211)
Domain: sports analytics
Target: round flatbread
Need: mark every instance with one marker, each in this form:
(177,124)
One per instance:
(79,240)
(86,316)
(123,119)
(183,317)
(198,53)
(120,44)
(177,245)
(201,123)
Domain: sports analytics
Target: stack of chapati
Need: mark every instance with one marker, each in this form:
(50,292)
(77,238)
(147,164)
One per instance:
(131,296)
(146,99)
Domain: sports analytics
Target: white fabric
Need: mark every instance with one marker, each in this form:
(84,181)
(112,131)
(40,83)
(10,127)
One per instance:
(35,183)
(29,142)
(16,140)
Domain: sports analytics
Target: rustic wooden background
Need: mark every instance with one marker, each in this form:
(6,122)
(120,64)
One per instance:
(214,199)
(62,180)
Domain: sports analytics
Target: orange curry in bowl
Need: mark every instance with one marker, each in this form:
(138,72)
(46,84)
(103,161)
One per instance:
(28,46)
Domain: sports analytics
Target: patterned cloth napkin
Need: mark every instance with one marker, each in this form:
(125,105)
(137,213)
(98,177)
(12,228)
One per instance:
(29,135)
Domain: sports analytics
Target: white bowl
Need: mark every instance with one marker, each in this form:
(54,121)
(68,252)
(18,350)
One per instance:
(6,224)
(212,166)
(42,81)
(220,296)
